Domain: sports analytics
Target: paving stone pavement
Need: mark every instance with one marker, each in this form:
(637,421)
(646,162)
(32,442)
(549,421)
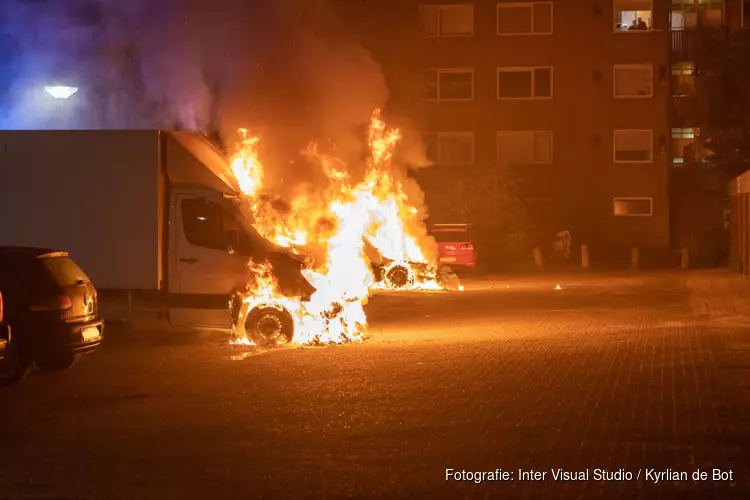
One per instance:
(628,373)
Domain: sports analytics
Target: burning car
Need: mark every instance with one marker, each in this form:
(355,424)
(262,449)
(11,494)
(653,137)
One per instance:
(332,224)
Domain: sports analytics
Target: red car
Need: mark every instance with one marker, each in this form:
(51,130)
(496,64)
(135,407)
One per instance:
(455,245)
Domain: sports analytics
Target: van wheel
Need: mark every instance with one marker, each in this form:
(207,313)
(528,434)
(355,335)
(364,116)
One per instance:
(268,326)
(55,362)
(15,363)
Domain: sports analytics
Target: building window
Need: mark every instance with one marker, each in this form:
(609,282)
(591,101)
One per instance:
(683,79)
(450,84)
(633,146)
(634,80)
(691,13)
(633,15)
(524,83)
(522,147)
(447,20)
(529,18)
(450,148)
(685,148)
(633,207)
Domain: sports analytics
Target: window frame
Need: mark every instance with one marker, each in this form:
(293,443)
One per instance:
(680,134)
(614,146)
(614,20)
(650,66)
(439,159)
(551,133)
(530,5)
(185,221)
(615,199)
(699,9)
(685,71)
(529,69)
(439,71)
(442,7)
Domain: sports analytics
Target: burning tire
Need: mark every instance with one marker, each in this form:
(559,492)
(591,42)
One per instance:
(399,277)
(268,326)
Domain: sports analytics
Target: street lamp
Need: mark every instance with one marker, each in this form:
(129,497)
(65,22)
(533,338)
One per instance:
(61,91)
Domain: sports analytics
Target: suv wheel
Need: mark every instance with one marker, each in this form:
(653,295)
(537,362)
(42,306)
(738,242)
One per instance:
(15,363)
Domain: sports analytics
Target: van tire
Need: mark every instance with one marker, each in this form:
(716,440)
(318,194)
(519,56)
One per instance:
(268,326)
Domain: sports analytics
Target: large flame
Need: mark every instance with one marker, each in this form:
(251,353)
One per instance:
(336,226)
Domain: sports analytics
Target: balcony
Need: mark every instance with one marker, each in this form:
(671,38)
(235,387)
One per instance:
(684,42)
(682,111)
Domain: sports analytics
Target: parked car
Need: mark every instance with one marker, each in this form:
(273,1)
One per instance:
(455,245)
(4,331)
(50,309)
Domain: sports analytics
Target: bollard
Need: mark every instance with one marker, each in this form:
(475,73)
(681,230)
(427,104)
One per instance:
(685,258)
(585,256)
(538,257)
(634,258)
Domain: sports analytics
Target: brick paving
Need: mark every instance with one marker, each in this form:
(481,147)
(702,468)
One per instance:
(633,372)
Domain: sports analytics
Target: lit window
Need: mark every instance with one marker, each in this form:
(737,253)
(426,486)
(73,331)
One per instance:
(634,80)
(524,83)
(529,18)
(449,84)
(633,146)
(683,79)
(685,149)
(633,15)
(447,20)
(450,148)
(633,207)
(691,13)
(521,147)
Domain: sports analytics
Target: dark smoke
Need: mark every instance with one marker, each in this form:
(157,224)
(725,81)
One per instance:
(289,69)
(137,63)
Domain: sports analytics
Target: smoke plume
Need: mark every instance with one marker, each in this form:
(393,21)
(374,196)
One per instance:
(289,68)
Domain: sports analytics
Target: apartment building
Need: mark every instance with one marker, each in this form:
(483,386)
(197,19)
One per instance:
(576,100)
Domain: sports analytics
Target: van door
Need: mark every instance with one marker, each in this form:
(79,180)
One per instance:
(206,259)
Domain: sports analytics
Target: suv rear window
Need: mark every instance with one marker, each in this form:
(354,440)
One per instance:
(64,271)
(451,235)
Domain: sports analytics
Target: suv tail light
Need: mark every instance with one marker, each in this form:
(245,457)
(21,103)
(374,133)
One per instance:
(59,303)
(467,246)
(1,307)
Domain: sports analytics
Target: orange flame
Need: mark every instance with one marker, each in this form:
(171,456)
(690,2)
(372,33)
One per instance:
(376,210)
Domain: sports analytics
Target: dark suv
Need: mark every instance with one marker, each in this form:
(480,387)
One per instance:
(50,308)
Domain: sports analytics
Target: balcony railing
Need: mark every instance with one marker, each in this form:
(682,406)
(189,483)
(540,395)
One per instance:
(683,111)
(684,42)
(682,45)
